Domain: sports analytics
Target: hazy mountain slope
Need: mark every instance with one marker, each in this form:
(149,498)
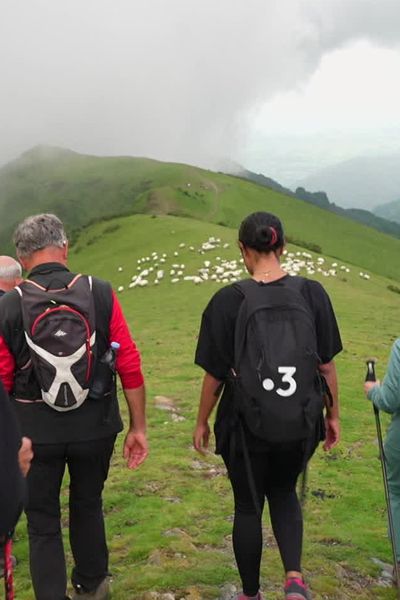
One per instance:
(391,211)
(363,182)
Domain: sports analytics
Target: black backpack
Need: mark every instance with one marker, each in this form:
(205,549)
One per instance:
(277,388)
(60,332)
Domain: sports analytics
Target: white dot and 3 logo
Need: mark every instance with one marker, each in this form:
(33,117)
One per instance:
(287,377)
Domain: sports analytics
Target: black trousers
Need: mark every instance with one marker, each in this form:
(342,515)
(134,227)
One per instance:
(275,474)
(88,464)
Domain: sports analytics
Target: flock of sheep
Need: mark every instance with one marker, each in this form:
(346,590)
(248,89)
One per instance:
(159,267)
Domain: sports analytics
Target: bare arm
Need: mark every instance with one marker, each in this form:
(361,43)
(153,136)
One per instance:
(328,370)
(210,393)
(135,446)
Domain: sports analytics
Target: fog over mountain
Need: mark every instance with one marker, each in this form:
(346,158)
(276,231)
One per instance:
(175,80)
(363,182)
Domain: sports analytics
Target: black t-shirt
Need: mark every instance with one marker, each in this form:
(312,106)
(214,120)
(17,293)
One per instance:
(215,347)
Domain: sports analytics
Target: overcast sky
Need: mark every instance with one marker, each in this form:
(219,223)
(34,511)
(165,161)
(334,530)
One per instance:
(281,86)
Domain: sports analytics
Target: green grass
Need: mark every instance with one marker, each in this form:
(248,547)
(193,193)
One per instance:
(169,523)
(82,189)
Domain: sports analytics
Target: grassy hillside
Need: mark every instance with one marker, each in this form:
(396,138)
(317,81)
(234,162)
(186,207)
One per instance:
(82,189)
(169,523)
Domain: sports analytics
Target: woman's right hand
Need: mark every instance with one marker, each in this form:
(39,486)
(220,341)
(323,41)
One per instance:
(201,436)
(332,426)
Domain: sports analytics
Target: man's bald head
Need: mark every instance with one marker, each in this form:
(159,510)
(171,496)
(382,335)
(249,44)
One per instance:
(10,273)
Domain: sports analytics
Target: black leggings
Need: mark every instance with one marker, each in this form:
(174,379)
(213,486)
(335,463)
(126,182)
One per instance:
(275,474)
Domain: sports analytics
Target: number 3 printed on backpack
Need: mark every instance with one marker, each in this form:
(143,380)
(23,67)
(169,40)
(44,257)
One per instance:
(287,377)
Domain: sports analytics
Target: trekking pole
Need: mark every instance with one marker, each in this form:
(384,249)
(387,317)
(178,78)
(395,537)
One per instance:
(8,569)
(372,377)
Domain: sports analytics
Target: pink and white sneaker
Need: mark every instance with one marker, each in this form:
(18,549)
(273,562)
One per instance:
(296,589)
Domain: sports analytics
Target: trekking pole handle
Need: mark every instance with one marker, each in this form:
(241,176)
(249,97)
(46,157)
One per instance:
(370,376)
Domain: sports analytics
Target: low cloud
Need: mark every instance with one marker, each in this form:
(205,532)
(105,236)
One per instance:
(174,80)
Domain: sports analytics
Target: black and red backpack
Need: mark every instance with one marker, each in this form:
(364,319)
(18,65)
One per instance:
(60,332)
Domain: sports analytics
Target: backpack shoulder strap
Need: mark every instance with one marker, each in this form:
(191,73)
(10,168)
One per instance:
(244,285)
(102,291)
(103,300)
(295,283)
(252,294)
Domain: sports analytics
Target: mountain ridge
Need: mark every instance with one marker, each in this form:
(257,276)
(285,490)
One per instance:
(83,189)
(375,220)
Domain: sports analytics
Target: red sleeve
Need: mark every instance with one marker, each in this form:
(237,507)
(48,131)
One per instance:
(128,363)
(7,366)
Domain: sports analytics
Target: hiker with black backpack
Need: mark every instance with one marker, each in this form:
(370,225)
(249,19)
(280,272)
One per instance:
(62,338)
(268,344)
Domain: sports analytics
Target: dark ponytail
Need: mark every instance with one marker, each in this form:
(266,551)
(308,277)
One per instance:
(262,231)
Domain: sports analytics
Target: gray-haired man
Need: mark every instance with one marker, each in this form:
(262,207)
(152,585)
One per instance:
(10,274)
(71,423)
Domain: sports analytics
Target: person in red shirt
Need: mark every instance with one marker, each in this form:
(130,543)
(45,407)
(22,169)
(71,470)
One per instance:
(81,439)
(10,274)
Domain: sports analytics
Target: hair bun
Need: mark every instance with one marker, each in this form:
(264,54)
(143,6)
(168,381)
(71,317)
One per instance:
(266,236)
(262,231)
